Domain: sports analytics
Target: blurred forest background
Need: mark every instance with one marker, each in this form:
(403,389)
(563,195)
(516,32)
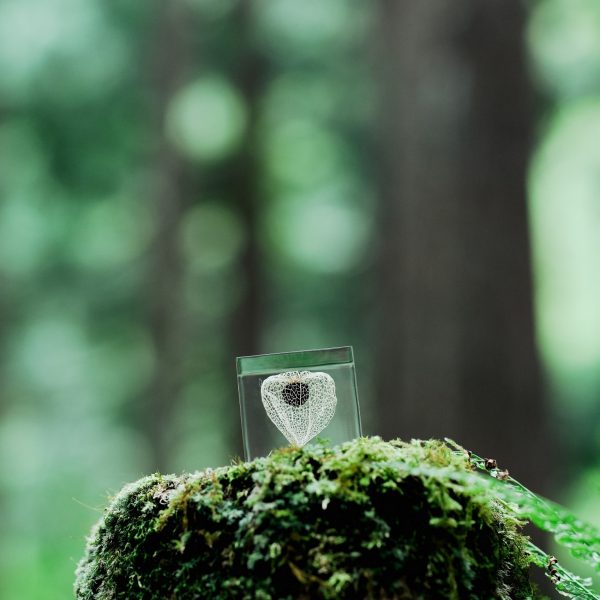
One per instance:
(184,181)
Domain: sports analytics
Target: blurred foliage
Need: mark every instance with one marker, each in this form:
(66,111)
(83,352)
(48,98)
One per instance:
(80,162)
(81,154)
(564,38)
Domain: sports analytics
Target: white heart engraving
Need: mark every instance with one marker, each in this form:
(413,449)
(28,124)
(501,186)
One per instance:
(300,403)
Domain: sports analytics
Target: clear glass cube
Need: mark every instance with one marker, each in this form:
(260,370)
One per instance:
(297,397)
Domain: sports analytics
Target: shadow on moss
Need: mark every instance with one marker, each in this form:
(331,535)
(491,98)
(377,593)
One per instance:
(367,519)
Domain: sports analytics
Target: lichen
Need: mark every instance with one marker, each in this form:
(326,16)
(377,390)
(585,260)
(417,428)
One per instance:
(367,519)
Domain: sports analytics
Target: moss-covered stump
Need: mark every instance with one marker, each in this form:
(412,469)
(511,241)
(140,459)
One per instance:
(368,519)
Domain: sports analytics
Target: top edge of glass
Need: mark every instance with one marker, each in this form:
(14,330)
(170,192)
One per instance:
(260,363)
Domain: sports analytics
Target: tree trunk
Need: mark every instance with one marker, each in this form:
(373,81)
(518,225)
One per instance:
(250,77)
(457,339)
(172,183)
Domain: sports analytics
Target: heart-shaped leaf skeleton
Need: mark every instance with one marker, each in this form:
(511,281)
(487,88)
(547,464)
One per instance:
(300,403)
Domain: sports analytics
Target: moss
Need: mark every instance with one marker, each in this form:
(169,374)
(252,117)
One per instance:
(367,519)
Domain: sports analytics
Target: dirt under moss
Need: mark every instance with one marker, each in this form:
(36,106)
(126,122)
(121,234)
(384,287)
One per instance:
(367,519)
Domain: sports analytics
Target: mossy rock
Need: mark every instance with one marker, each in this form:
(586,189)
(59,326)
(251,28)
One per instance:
(367,519)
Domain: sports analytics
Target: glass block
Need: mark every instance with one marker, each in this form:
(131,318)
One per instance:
(297,397)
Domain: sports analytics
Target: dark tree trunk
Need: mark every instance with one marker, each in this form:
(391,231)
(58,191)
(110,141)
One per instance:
(456,351)
(171,190)
(250,77)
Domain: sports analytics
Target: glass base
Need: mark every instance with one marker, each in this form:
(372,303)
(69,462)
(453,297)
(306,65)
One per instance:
(297,397)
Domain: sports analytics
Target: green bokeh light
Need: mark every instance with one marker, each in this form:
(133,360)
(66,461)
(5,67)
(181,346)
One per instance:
(44,43)
(322,232)
(565,214)
(564,38)
(301,153)
(206,119)
(110,232)
(212,236)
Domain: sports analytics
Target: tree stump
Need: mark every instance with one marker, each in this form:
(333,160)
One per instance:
(367,519)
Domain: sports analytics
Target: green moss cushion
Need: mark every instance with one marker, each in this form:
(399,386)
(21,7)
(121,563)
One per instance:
(368,519)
